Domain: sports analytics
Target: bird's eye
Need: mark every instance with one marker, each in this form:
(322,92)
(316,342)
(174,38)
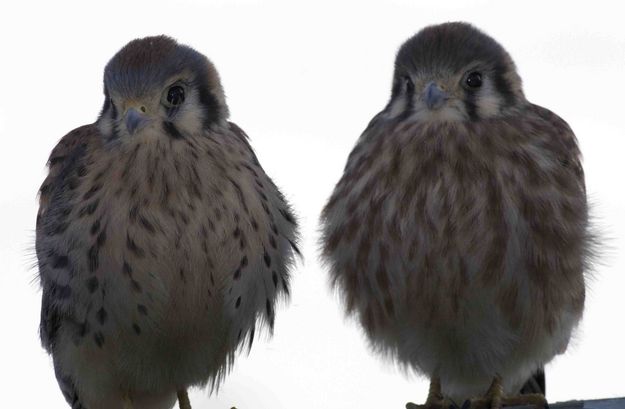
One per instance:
(474,80)
(175,95)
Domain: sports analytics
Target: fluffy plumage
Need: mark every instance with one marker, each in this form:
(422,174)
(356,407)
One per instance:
(161,241)
(471,261)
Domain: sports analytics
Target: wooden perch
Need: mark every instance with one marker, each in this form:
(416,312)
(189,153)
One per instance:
(614,403)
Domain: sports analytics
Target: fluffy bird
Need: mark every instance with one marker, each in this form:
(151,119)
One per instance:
(470,266)
(161,242)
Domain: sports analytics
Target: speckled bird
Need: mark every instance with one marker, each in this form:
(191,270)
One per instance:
(161,242)
(458,234)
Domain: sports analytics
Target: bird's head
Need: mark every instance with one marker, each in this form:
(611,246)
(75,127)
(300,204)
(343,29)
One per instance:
(454,72)
(155,83)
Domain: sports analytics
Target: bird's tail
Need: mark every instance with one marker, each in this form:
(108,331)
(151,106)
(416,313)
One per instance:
(535,384)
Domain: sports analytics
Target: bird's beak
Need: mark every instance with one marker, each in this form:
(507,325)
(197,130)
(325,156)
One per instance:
(135,120)
(433,96)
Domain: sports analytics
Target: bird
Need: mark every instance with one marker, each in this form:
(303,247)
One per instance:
(161,243)
(458,234)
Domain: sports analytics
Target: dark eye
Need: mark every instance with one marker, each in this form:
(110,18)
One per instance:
(474,80)
(175,95)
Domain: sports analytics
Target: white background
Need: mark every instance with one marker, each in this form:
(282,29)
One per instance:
(303,79)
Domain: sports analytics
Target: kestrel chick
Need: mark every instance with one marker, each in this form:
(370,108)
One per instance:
(458,233)
(161,242)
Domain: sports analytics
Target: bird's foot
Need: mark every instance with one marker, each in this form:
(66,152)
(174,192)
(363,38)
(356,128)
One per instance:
(535,399)
(127,402)
(183,399)
(435,398)
(496,399)
(434,404)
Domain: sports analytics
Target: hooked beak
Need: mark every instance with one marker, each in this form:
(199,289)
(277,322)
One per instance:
(135,120)
(434,97)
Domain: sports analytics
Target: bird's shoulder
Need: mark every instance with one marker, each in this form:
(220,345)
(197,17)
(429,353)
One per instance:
(559,138)
(243,139)
(65,156)
(237,131)
(239,134)
(373,136)
(558,128)
(283,206)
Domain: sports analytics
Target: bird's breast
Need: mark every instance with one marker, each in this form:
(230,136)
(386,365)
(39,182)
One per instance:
(159,235)
(451,212)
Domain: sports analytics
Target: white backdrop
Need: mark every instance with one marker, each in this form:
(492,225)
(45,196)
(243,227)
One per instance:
(303,79)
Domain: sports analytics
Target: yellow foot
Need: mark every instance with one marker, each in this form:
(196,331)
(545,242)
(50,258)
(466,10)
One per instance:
(439,404)
(183,399)
(495,399)
(127,403)
(435,398)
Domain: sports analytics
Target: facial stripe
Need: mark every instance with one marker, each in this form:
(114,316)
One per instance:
(502,85)
(107,103)
(470,103)
(113,109)
(171,130)
(210,106)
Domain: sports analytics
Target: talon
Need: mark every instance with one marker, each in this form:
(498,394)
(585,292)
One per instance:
(183,399)
(435,399)
(495,398)
(127,403)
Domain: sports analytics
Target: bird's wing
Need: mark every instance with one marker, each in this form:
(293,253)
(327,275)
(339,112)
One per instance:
(64,155)
(55,268)
(564,144)
(357,161)
(242,136)
(54,197)
(285,210)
